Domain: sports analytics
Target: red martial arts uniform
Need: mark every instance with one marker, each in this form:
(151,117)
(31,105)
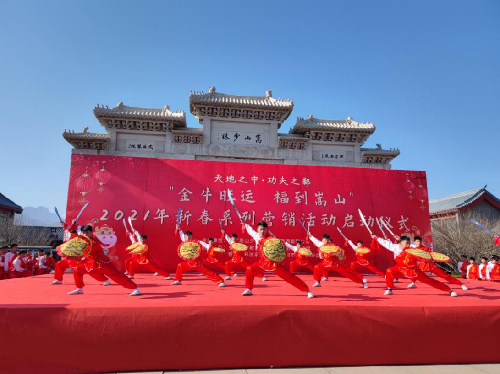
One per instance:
(19,269)
(407,267)
(331,262)
(264,264)
(195,264)
(363,262)
(44,265)
(212,259)
(144,259)
(61,267)
(237,262)
(301,261)
(482,271)
(493,272)
(463,269)
(98,263)
(430,267)
(473,272)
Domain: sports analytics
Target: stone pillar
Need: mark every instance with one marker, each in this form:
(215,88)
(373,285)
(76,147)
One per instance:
(207,131)
(273,135)
(112,140)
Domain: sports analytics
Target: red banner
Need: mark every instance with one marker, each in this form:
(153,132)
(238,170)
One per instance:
(151,191)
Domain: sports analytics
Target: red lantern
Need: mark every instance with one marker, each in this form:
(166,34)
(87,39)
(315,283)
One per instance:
(102,176)
(85,183)
(421,193)
(408,185)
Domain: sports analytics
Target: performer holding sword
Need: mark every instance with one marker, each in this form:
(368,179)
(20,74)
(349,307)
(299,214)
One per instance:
(406,263)
(272,253)
(364,257)
(190,251)
(70,232)
(141,254)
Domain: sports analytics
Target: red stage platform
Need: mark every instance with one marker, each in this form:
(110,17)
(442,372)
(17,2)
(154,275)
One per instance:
(200,326)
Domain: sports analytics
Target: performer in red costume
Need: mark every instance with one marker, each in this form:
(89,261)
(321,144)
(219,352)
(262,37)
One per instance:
(302,257)
(406,266)
(18,268)
(141,256)
(462,266)
(71,231)
(267,263)
(3,251)
(45,263)
(9,257)
(430,267)
(194,263)
(237,261)
(482,268)
(212,259)
(364,259)
(94,260)
(332,262)
(472,269)
(493,269)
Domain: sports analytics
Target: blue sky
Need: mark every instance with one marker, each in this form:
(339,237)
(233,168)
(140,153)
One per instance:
(426,73)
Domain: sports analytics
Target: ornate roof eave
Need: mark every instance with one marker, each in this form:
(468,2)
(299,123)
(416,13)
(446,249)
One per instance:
(232,106)
(87,140)
(380,152)
(349,125)
(177,118)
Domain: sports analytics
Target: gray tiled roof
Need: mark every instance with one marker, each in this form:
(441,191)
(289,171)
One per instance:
(123,111)
(317,124)
(9,204)
(457,200)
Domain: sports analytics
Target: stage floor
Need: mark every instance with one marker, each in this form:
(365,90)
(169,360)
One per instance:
(200,326)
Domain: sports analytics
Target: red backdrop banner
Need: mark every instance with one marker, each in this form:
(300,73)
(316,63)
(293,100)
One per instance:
(151,192)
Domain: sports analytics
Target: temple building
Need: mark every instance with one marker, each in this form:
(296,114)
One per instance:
(233,128)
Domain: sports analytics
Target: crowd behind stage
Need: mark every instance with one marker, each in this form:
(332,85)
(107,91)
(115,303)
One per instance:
(20,263)
(16,263)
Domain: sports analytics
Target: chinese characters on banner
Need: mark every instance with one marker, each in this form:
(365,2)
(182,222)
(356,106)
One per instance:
(151,191)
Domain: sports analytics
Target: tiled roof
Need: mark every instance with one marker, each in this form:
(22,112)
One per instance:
(380,151)
(254,102)
(317,124)
(69,135)
(9,204)
(124,111)
(458,200)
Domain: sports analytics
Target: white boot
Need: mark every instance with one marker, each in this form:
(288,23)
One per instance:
(156,274)
(55,281)
(453,294)
(222,284)
(136,292)
(247,292)
(464,287)
(317,284)
(264,279)
(412,285)
(126,272)
(130,277)
(310,295)
(235,275)
(325,279)
(396,280)
(176,283)
(365,283)
(78,291)
(107,283)
(168,278)
(388,292)
(227,278)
